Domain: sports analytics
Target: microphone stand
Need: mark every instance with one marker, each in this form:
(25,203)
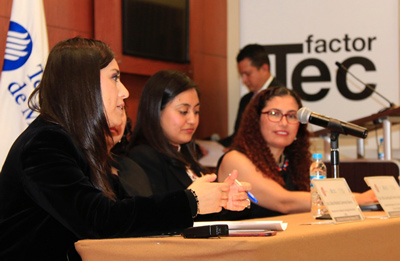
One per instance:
(335,154)
(385,122)
(391,104)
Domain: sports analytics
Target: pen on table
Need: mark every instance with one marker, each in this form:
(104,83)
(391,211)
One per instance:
(251,196)
(252,234)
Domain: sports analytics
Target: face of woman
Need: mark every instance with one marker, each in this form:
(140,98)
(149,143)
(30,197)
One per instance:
(180,117)
(280,134)
(116,133)
(113,93)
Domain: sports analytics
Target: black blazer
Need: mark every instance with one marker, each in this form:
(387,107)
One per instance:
(132,177)
(48,202)
(162,174)
(244,101)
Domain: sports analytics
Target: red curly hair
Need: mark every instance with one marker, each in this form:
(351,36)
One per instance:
(250,142)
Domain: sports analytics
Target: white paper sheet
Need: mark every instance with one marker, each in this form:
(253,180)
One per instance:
(247,225)
(215,151)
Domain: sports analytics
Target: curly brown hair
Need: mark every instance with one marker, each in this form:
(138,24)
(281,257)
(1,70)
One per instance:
(250,142)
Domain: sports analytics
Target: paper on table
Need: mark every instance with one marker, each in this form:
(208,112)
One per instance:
(215,151)
(247,225)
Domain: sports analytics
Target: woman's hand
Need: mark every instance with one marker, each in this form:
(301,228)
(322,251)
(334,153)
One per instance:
(237,197)
(212,196)
(366,197)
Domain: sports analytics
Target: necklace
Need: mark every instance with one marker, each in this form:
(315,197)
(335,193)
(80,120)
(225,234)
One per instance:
(178,148)
(283,163)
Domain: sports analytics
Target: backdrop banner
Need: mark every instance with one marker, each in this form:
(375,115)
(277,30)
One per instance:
(308,39)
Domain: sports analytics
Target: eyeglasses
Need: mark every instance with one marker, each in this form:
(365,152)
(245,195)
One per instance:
(276,116)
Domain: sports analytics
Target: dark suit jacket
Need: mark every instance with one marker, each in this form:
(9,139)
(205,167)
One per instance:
(132,177)
(244,101)
(48,202)
(162,174)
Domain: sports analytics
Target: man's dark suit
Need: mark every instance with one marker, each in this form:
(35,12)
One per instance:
(244,101)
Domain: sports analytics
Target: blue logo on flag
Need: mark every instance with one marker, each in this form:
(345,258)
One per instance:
(18,47)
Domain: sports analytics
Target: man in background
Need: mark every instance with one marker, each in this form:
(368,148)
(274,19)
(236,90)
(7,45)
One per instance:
(254,69)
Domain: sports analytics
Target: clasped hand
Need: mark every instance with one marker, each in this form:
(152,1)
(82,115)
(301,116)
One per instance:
(214,196)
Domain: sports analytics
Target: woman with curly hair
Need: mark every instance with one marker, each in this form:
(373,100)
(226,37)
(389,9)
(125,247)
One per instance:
(271,152)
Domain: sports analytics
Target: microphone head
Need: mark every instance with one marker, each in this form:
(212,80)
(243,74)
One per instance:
(303,114)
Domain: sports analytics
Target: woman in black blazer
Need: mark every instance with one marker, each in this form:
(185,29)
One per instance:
(55,185)
(163,137)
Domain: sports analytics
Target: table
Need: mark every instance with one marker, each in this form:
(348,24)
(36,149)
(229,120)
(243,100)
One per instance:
(371,239)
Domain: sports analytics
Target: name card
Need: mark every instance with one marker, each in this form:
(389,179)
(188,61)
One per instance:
(387,191)
(338,199)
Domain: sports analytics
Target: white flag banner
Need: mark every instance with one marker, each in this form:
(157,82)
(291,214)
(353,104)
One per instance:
(24,60)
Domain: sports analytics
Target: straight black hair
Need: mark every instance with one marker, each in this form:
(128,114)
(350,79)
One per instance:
(255,53)
(160,89)
(69,94)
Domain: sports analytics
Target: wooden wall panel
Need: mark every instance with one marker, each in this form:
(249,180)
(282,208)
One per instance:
(208,35)
(5,9)
(68,18)
(134,84)
(74,15)
(210,74)
(56,35)
(5,13)
(215,26)
(64,19)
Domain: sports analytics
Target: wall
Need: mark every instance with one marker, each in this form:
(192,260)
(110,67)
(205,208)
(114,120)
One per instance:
(4,23)
(62,17)
(209,62)
(101,19)
(233,38)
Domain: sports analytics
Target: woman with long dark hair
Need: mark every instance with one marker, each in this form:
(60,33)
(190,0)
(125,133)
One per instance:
(55,185)
(163,142)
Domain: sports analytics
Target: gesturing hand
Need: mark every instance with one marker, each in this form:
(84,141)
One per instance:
(212,196)
(237,197)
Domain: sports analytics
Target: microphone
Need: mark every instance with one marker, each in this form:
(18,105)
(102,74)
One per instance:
(304,115)
(341,66)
